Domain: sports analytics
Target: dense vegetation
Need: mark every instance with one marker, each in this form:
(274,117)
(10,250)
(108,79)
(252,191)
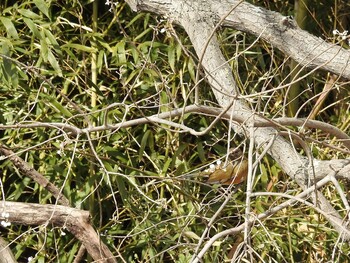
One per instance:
(90,64)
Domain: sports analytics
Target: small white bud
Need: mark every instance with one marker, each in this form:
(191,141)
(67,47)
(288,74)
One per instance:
(5,215)
(5,224)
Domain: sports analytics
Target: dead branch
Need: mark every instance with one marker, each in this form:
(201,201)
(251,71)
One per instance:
(76,221)
(26,170)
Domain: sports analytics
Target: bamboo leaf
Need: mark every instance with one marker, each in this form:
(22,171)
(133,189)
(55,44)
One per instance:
(143,144)
(32,27)
(80,47)
(191,70)
(29,14)
(10,28)
(54,63)
(201,152)
(43,7)
(10,70)
(166,165)
(143,33)
(51,41)
(60,108)
(44,50)
(171,57)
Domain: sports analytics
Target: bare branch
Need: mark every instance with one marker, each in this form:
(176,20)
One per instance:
(200,109)
(292,199)
(26,170)
(74,220)
(282,32)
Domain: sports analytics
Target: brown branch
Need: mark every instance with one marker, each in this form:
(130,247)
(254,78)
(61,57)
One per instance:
(6,255)
(76,221)
(80,254)
(56,125)
(26,170)
(200,109)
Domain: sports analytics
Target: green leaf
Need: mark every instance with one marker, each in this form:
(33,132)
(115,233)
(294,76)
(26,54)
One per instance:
(72,252)
(182,147)
(137,17)
(29,14)
(201,152)
(164,100)
(144,142)
(171,57)
(105,45)
(10,70)
(60,108)
(100,57)
(143,33)
(44,50)
(80,47)
(32,27)
(10,28)
(135,55)
(20,188)
(119,51)
(191,70)
(166,165)
(42,6)
(51,41)
(131,76)
(54,63)
(178,52)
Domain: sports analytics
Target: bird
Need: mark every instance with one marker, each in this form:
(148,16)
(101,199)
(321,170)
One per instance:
(234,172)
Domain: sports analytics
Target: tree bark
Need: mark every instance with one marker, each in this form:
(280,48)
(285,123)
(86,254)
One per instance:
(74,220)
(281,31)
(6,255)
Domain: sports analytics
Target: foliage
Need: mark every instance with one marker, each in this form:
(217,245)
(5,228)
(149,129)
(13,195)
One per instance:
(139,191)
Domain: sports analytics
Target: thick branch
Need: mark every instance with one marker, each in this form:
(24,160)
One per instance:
(74,220)
(280,31)
(283,33)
